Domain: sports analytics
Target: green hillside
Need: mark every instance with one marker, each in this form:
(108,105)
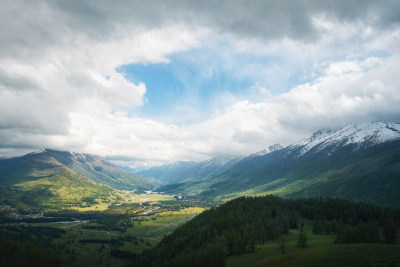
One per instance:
(242,227)
(320,251)
(53,180)
(333,255)
(101,171)
(63,188)
(370,175)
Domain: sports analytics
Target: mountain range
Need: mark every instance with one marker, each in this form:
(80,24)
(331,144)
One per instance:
(184,171)
(359,162)
(169,173)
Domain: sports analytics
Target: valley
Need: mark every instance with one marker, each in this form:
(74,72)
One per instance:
(192,133)
(92,237)
(339,188)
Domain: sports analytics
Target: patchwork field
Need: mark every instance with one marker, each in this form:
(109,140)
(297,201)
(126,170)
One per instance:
(111,236)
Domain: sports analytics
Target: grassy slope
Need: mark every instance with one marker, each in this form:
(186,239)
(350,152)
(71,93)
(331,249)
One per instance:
(54,180)
(271,249)
(102,171)
(370,175)
(341,255)
(320,252)
(61,189)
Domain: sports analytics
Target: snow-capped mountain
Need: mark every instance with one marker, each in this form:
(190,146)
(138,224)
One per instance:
(219,161)
(359,135)
(360,162)
(183,171)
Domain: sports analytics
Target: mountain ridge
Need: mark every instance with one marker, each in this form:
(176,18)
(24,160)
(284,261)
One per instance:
(55,180)
(366,169)
(362,134)
(94,167)
(173,173)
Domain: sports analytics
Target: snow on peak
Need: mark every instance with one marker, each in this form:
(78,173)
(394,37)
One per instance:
(40,151)
(267,150)
(37,152)
(365,134)
(220,161)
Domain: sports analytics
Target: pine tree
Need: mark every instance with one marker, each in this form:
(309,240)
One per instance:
(282,244)
(302,239)
(389,231)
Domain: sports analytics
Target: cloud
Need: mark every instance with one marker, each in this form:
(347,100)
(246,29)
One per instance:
(53,69)
(49,23)
(335,99)
(314,64)
(369,92)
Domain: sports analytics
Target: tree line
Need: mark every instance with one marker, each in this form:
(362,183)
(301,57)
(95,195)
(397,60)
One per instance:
(237,226)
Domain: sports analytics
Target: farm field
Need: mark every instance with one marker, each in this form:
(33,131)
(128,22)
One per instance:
(112,237)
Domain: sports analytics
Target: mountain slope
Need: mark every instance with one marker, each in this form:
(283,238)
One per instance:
(102,171)
(55,180)
(243,225)
(359,162)
(206,168)
(167,173)
(37,183)
(180,171)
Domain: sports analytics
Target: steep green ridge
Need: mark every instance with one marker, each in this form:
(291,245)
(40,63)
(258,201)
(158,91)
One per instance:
(240,225)
(95,168)
(57,189)
(102,171)
(52,180)
(367,174)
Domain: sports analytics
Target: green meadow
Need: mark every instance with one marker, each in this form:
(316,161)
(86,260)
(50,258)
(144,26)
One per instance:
(108,237)
(320,251)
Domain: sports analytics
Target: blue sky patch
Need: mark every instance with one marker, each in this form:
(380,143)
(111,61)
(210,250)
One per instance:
(186,86)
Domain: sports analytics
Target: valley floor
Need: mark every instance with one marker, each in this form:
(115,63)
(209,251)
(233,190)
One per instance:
(116,236)
(109,238)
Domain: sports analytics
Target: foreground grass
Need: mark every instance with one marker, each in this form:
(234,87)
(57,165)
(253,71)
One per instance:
(321,251)
(341,255)
(271,249)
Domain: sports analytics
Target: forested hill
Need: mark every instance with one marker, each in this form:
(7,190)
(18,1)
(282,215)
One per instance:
(239,225)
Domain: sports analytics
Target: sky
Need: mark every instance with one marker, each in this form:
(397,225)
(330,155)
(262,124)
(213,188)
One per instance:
(145,83)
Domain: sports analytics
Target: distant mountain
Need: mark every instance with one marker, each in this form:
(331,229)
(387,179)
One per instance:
(358,136)
(265,151)
(60,179)
(128,169)
(205,169)
(168,173)
(358,162)
(184,171)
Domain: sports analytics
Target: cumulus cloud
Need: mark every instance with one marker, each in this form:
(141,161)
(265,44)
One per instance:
(60,86)
(368,92)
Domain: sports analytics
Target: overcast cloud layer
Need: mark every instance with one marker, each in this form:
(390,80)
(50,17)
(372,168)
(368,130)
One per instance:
(311,64)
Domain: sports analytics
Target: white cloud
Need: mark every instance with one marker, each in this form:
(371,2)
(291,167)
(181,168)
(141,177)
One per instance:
(60,86)
(331,101)
(57,99)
